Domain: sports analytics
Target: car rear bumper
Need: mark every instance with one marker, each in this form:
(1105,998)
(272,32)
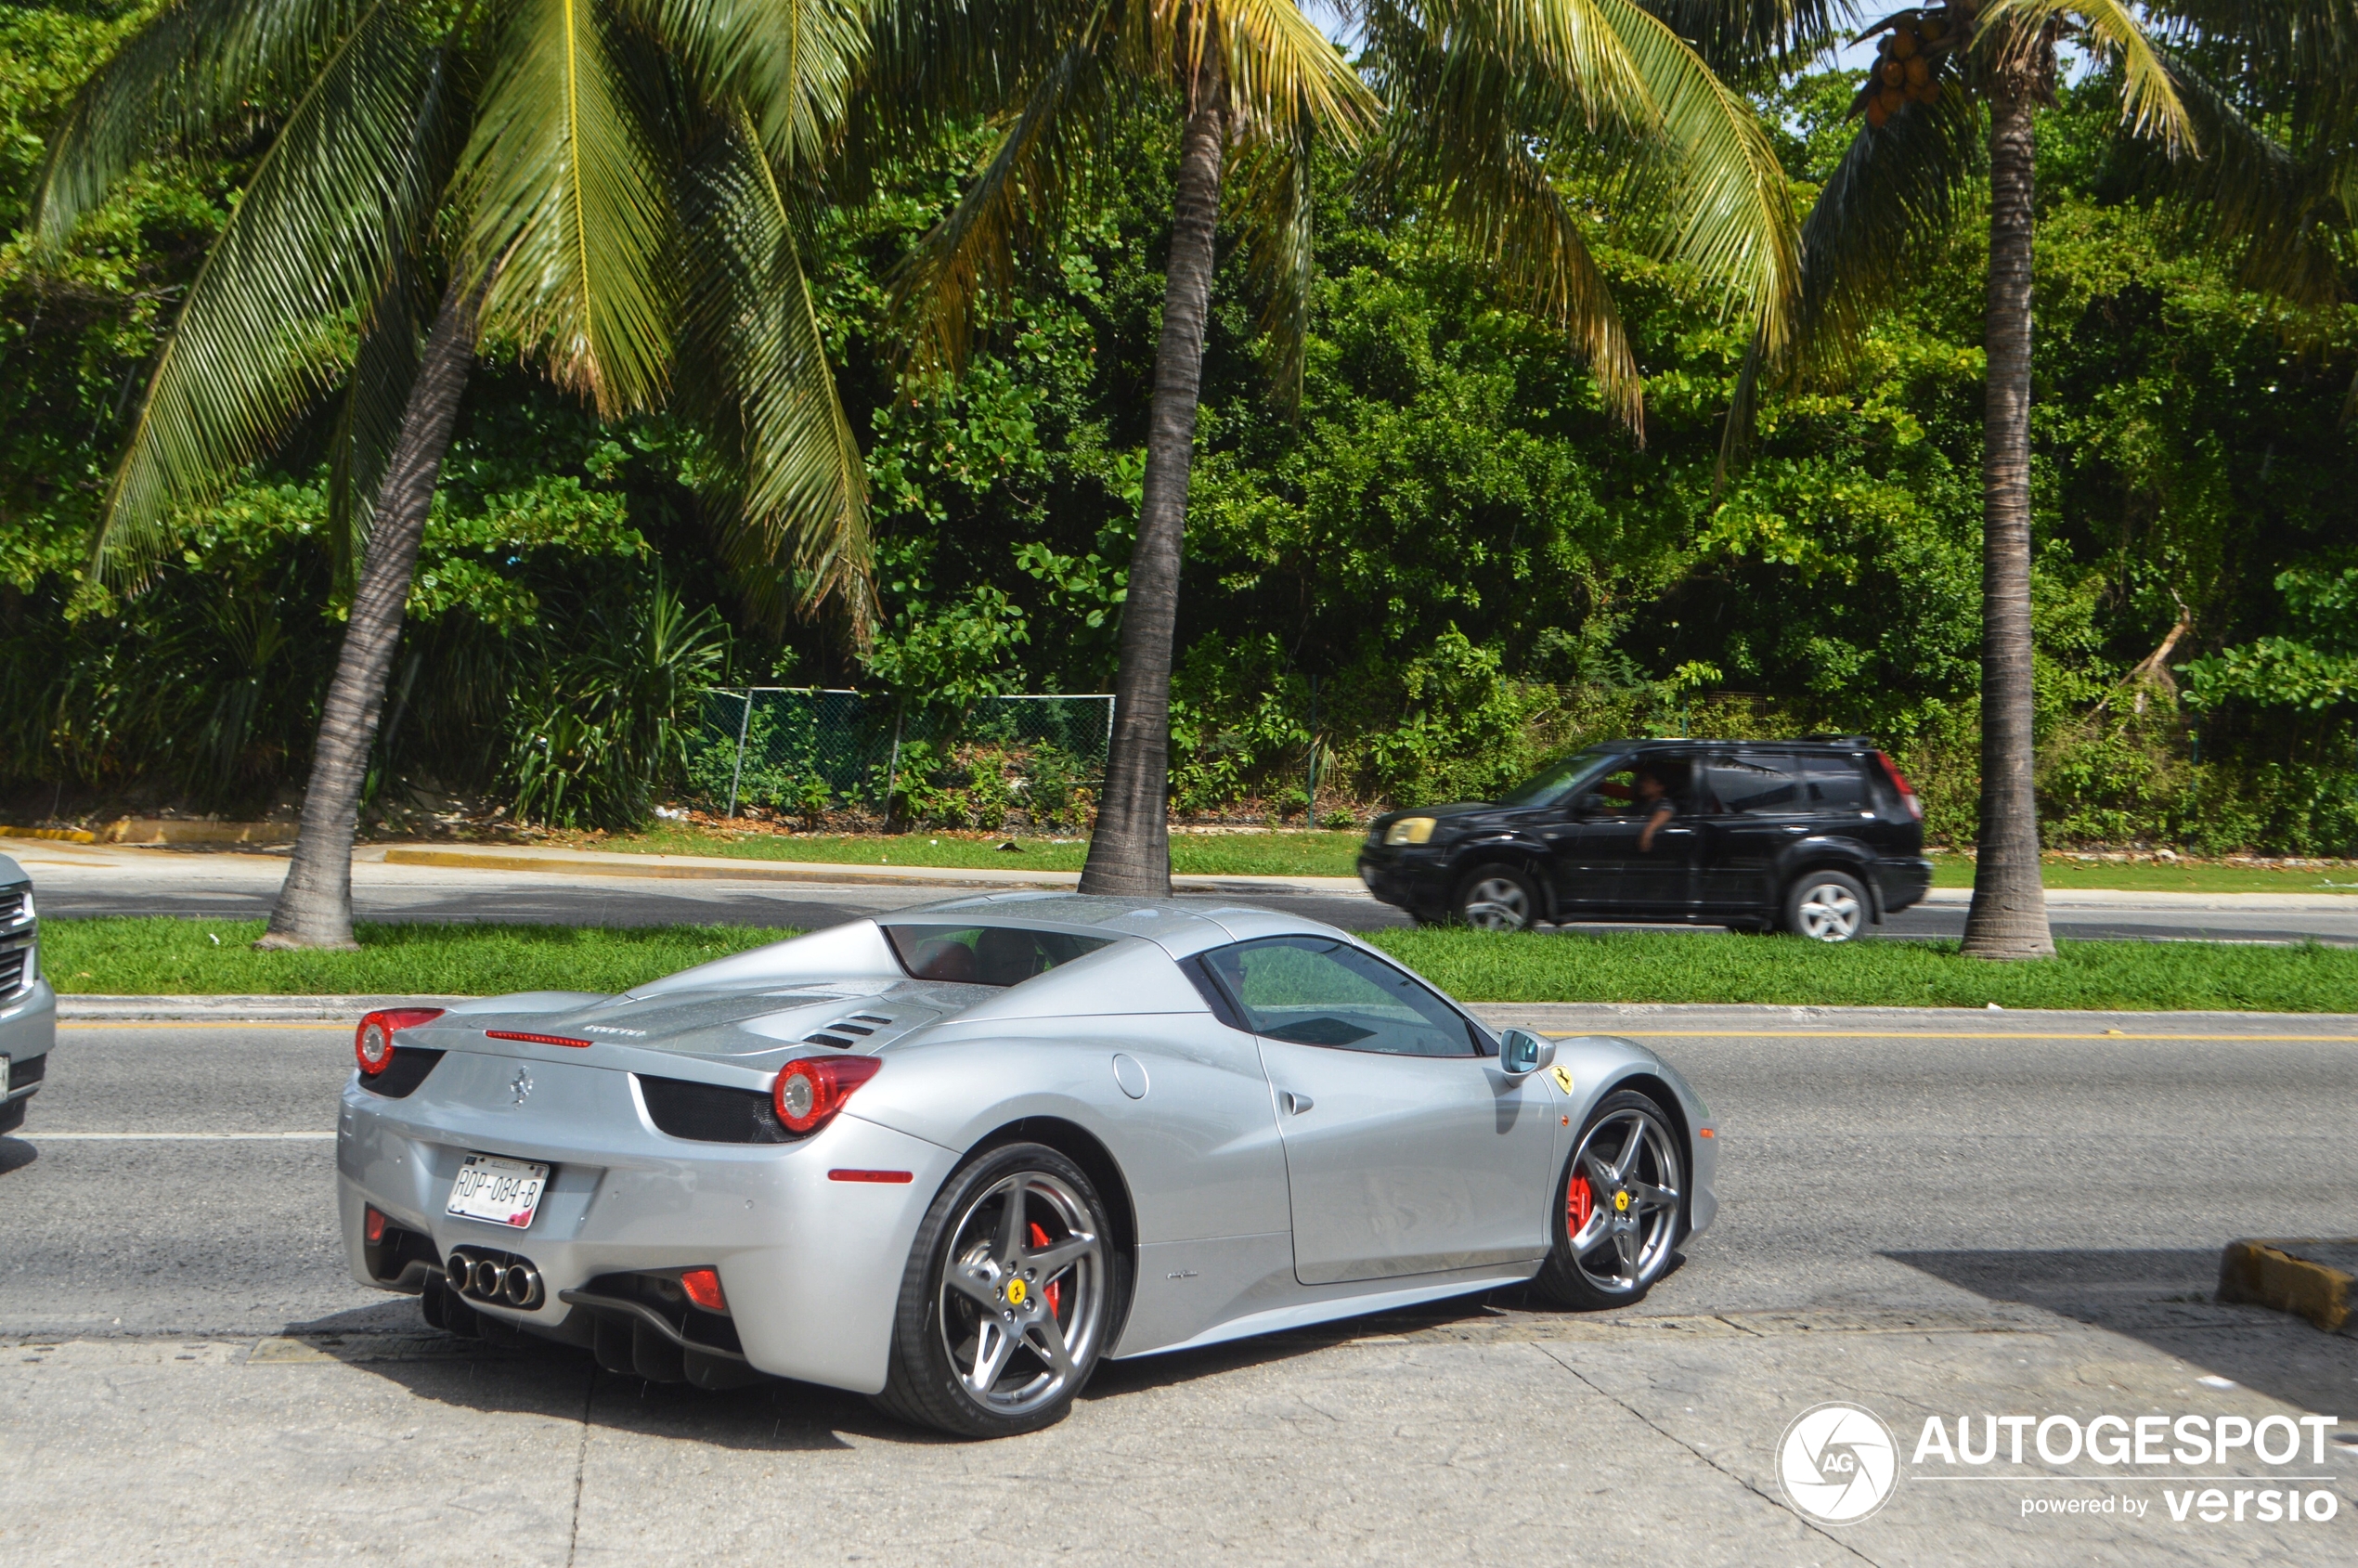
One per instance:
(810,1263)
(1903,881)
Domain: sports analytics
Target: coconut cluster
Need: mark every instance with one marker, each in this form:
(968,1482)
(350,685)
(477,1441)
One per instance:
(1908,66)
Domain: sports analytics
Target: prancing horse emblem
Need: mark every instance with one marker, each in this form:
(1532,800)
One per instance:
(523,1085)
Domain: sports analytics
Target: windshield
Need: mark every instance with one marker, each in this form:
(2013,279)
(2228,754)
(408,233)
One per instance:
(999,955)
(1558,780)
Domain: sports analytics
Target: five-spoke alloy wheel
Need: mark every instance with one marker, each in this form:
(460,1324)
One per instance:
(1826,906)
(1498,898)
(1009,1297)
(1617,1213)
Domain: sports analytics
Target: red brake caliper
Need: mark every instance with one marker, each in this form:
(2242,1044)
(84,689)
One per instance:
(1580,1203)
(1056,1290)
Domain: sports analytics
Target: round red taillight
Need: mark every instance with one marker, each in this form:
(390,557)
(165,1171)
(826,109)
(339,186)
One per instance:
(372,1042)
(811,1090)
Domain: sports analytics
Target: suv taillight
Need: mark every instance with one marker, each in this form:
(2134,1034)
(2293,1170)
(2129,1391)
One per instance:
(1899,781)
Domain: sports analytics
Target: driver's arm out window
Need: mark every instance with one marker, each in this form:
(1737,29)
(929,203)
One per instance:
(1315,990)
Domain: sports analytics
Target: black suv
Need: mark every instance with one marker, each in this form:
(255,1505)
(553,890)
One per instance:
(1815,836)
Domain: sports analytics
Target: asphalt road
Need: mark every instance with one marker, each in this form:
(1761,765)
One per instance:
(72,880)
(175,1177)
(1941,1216)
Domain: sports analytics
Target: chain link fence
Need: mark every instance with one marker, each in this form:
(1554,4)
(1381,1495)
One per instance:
(817,753)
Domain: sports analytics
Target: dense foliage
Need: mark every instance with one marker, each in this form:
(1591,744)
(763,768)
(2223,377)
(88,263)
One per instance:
(1452,539)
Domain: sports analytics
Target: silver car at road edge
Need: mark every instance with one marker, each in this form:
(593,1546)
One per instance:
(28,1008)
(953,1157)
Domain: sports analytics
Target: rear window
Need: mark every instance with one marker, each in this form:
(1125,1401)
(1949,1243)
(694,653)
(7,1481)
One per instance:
(996,956)
(1835,783)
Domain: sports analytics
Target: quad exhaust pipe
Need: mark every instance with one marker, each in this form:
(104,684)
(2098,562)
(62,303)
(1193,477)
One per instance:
(510,1282)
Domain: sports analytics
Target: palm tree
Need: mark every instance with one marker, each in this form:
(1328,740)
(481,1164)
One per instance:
(612,186)
(1946,76)
(1490,103)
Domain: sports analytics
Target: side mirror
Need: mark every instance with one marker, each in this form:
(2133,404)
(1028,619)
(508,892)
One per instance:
(1522,1053)
(1589,805)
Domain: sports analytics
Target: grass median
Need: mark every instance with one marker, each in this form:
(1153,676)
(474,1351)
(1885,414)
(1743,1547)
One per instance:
(1336,854)
(172,956)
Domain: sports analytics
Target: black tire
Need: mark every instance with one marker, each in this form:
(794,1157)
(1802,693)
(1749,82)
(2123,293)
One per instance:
(1498,897)
(938,1319)
(1643,1202)
(1826,906)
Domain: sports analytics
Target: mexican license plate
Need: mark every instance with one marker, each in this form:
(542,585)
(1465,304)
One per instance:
(503,1191)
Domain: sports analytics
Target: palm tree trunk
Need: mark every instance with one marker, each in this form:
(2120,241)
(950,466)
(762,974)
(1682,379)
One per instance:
(2009,914)
(1130,847)
(314,903)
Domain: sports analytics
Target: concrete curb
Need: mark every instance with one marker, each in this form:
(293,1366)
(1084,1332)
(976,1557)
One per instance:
(233,1009)
(2293,1276)
(586,863)
(2116,898)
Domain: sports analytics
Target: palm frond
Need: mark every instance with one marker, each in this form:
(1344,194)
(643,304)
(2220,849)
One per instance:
(196,70)
(1471,115)
(1893,197)
(1276,210)
(754,369)
(1282,68)
(1729,212)
(566,198)
(1019,199)
(2287,219)
(795,63)
(1736,37)
(2113,28)
(266,327)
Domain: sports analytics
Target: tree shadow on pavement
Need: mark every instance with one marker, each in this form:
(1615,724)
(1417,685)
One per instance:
(2165,1299)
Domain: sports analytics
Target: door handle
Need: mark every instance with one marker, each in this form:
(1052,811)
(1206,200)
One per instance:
(1796,827)
(1295,1103)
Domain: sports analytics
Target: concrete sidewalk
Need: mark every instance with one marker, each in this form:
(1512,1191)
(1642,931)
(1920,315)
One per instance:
(1472,1434)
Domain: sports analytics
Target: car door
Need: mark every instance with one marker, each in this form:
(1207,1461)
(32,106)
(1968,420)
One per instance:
(1408,1150)
(1620,871)
(1755,802)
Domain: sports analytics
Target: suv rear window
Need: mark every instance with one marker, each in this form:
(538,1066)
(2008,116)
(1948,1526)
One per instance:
(1835,783)
(994,956)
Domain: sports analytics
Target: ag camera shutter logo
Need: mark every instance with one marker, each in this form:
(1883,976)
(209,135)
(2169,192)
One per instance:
(1838,1463)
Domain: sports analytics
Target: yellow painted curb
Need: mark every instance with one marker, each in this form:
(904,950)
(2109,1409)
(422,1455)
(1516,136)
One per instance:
(59,835)
(2273,1274)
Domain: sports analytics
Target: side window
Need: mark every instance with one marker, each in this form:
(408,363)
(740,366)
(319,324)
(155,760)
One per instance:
(1615,795)
(1314,991)
(1836,784)
(1760,783)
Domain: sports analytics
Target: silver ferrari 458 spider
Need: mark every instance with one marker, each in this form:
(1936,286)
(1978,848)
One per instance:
(955,1157)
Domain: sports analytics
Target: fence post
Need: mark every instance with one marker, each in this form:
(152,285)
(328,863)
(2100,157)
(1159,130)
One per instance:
(892,768)
(745,722)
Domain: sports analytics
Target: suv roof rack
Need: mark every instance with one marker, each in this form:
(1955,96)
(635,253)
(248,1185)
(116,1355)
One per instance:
(1867,741)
